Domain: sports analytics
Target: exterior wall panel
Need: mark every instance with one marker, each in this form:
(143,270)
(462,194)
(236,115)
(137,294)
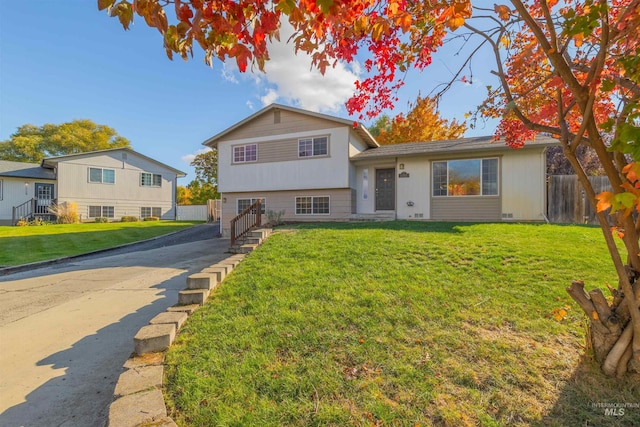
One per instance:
(16,191)
(466,208)
(276,201)
(266,126)
(524,185)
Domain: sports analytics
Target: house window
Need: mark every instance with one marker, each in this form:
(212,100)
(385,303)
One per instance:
(104,211)
(243,204)
(146,212)
(473,177)
(308,205)
(150,179)
(309,147)
(104,176)
(245,153)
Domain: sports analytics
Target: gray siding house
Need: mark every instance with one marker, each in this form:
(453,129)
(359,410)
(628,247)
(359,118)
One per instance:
(108,183)
(317,167)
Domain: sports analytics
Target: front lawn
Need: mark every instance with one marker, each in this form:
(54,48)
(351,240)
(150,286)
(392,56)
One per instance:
(22,245)
(399,324)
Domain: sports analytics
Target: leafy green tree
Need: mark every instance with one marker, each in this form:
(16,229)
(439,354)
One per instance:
(205,186)
(32,143)
(381,124)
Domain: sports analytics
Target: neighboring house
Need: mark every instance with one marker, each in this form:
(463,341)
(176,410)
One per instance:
(108,183)
(317,167)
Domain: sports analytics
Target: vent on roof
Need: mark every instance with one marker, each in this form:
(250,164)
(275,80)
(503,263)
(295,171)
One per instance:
(124,156)
(276,117)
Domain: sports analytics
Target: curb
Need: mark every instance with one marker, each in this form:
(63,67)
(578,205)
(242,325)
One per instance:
(138,400)
(39,264)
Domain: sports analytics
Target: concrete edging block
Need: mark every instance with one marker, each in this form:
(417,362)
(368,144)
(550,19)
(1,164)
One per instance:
(171,317)
(154,338)
(202,281)
(139,408)
(141,379)
(193,296)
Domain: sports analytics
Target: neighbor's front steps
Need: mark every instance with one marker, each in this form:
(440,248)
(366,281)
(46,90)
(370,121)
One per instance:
(138,397)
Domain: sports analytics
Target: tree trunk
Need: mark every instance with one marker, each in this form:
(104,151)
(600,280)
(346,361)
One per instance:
(610,329)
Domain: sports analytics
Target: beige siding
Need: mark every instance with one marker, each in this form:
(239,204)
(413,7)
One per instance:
(340,205)
(466,208)
(282,150)
(265,125)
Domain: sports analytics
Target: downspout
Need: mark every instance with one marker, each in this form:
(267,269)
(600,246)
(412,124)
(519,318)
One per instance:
(395,178)
(545,196)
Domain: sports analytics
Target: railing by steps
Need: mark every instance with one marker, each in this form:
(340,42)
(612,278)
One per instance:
(246,220)
(31,209)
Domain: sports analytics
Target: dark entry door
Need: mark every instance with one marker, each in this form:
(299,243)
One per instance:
(44,198)
(385,189)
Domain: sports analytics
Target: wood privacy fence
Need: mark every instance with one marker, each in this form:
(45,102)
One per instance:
(209,212)
(567,202)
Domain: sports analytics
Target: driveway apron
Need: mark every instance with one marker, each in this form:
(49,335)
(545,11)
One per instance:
(67,329)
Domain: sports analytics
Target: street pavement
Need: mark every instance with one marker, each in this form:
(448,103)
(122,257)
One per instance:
(66,329)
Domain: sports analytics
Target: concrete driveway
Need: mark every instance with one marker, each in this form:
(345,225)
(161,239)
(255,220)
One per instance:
(67,329)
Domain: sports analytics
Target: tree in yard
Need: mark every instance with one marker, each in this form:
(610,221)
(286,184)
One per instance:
(381,124)
(422,123)
(205,186)
(33,143)
(183,195)
(568,69)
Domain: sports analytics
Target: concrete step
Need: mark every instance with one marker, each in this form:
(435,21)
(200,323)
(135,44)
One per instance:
(378,216)
(202,281)
(193,296)
(189,309)
(176,318)
(154,338)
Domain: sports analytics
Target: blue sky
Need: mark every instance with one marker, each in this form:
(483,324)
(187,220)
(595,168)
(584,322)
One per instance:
(65,60)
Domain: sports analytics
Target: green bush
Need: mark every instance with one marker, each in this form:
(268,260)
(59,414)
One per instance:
(129,218)
(151,218)
(102,219)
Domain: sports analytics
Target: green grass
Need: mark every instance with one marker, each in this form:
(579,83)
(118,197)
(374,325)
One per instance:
(22,245)
(399,324)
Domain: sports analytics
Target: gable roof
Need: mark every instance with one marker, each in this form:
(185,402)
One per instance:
(358,127)
(25,170)
(51,162)
(483,143)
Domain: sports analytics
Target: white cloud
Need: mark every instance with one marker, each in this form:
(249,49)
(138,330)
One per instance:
(188,158)
(290,78)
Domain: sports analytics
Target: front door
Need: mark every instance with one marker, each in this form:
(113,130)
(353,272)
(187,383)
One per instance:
(44,198)
(385,189)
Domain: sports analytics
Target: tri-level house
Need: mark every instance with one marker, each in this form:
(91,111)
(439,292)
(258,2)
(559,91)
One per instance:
(109,183)
(317,167)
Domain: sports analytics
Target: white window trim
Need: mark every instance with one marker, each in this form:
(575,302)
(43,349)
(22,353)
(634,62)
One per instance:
(101,176)
(475,195)
(101,211)
(244,148)
(252,200)
(295,206)
(313,155)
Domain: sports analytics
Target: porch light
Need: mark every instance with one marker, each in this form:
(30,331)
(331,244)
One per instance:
(26,188)
(401,166)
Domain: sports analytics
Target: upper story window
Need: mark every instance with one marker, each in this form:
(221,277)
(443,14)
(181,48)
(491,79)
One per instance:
(473,177)
(245,153)
(150,179)
(105,176)
(309,147)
